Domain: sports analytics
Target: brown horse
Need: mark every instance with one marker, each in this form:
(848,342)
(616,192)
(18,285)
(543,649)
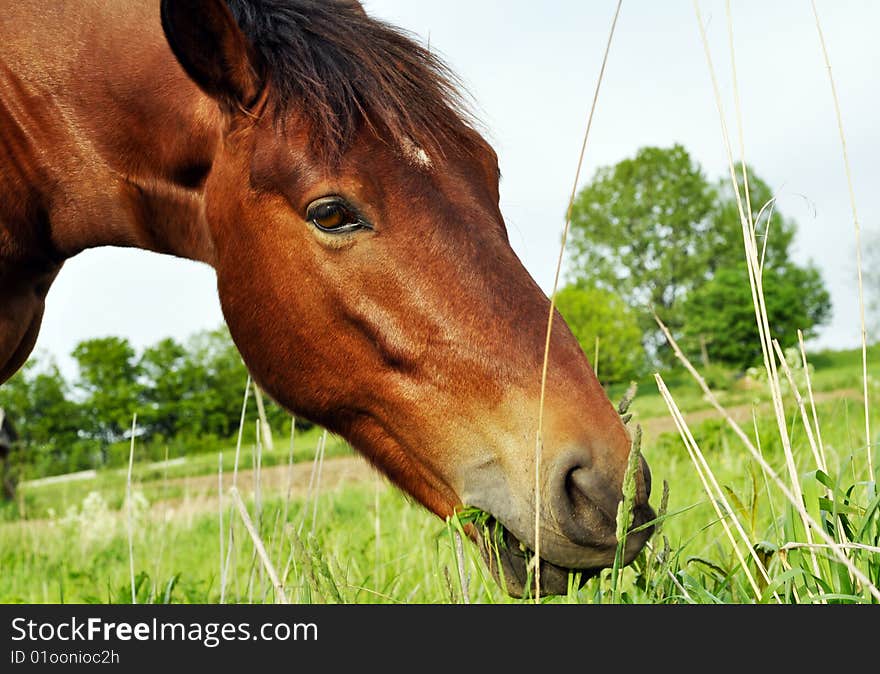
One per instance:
(320,161)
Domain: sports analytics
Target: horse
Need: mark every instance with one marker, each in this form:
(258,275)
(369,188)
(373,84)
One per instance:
(323,163)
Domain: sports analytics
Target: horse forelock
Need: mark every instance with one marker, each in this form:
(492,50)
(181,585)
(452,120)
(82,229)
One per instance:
(343,71)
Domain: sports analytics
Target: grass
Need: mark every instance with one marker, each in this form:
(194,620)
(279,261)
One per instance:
(411,556)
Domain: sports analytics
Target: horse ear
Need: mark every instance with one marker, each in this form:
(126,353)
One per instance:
(212,49)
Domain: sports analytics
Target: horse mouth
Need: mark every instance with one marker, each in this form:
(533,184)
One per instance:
(511,563)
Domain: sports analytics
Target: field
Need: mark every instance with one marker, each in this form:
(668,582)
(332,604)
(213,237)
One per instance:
(361,540)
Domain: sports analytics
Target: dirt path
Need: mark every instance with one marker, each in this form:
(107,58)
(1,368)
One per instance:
(335,473)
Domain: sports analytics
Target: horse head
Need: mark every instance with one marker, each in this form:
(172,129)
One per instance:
(366,276)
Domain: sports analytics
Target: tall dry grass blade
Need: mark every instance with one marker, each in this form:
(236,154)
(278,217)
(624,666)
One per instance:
(772,205)
(318,482)
(288,487)
(220,512)
(858,230)
(816,428)
(230,547)
(808,428)
(247,388)
(739,122)
(128,509)
(309,489)
(258,471)
(265,428)
(818,454)
(258,545)
(230,556)
(539,441)
(755,281)
(288,484)
(773,517)
(794,499)
(873,549)
(258,506)
(715,493)
(377,526)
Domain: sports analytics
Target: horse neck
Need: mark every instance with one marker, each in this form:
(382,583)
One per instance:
(103,141)
(118,140)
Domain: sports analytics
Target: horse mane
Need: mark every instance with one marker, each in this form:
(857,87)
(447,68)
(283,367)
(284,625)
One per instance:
(344,69)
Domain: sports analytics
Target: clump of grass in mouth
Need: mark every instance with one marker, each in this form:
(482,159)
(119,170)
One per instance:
(473,515)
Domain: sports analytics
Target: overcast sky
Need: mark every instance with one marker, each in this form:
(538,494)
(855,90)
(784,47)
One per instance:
(531,68)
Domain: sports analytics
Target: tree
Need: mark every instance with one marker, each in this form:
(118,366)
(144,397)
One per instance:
(219,401)
(594,312)
(722,314)
(37,400)
(172,384)
(655,231)
(108,383)
(641,229)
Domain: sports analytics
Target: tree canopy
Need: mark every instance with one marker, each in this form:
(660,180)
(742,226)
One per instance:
(641,229)
(656,232)
(721,314)
(593,313)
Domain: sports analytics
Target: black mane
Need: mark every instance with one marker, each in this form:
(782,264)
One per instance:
(341,68)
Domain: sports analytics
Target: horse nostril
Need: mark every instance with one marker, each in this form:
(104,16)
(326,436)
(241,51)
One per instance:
(590,489)
(584,496)
(577,486)
(584,500)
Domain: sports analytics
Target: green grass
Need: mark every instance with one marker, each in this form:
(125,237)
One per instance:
(49,562)
(80,553)
(843,369)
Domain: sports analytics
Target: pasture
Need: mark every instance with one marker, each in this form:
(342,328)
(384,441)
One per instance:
(363,541)
(294,156)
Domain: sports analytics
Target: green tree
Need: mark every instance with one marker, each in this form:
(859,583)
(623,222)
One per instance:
(653,229)
(721,313)
(193,389)
(109,386)
(218,401)
(641,229)
(38,402)
(593,313)
(172,382)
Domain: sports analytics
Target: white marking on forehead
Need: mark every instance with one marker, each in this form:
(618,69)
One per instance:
(415,154)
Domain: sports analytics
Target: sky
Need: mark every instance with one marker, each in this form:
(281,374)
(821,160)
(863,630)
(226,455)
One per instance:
(530,69)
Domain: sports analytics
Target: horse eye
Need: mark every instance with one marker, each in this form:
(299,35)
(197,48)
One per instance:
(333,215)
